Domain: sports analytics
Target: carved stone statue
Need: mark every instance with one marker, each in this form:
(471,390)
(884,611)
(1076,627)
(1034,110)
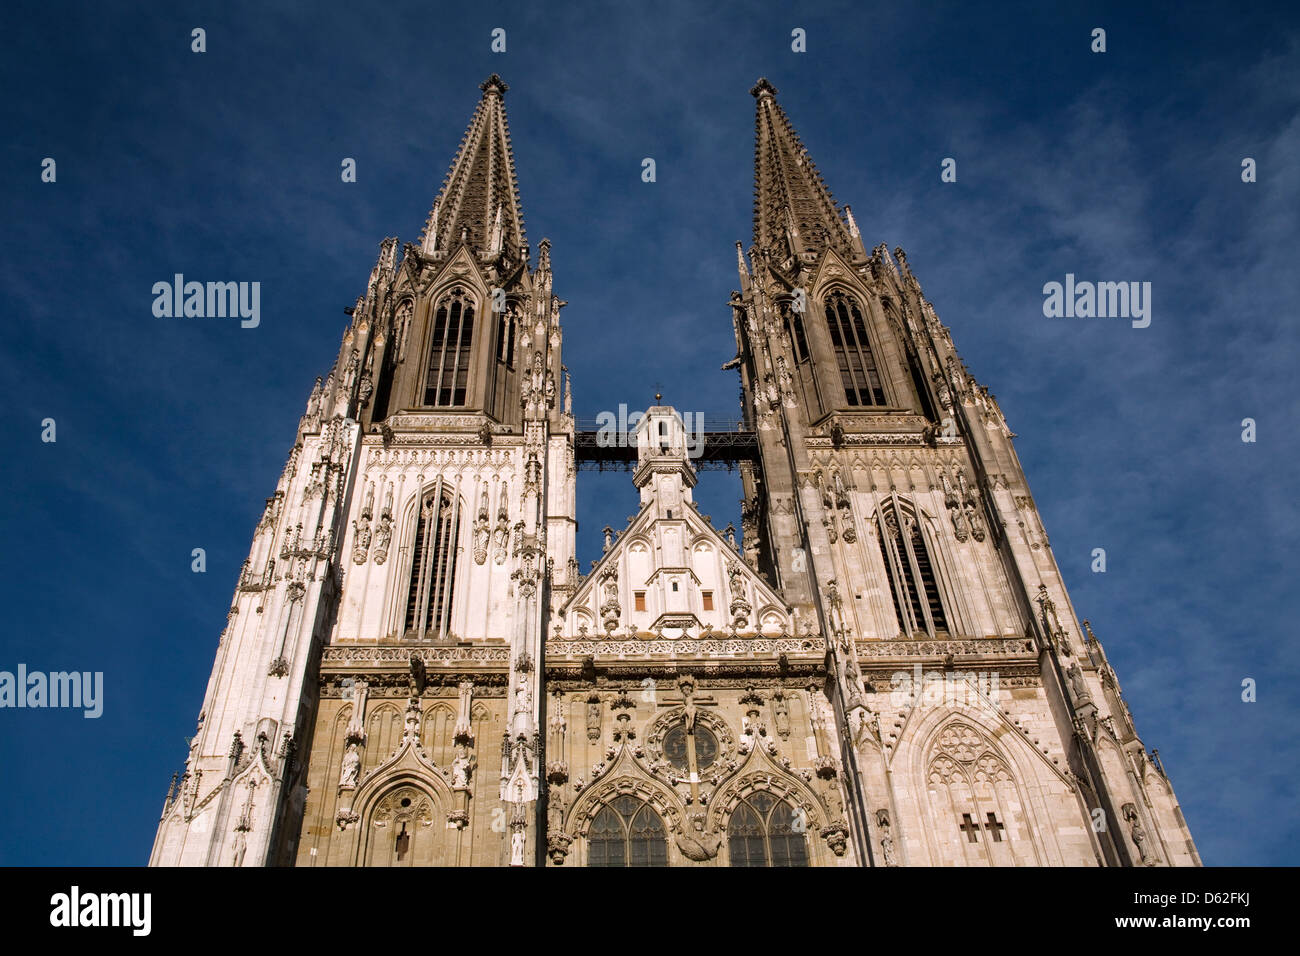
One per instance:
(464,730)
(351,767)
(362,544)
(781,714)
(1139,835)
(350,370)
(1077,683)
(523,708)
(887,850)
(687,687)
(383,535)
(695,842)
(841,493)
(834,802)
(555,815)
(462,767)
(412,729)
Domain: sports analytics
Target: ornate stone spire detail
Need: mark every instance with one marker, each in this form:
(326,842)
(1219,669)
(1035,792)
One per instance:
(793,210)
(479,199)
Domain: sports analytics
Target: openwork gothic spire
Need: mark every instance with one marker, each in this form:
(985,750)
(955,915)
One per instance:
(479,199)
(793,210)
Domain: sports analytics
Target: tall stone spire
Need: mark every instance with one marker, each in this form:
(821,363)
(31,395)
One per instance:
(793,210)
(479,199)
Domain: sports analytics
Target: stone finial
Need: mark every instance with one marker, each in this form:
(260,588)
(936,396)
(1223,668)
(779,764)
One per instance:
(494,86)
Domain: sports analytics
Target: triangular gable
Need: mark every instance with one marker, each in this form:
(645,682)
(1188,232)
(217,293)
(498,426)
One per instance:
(715,590)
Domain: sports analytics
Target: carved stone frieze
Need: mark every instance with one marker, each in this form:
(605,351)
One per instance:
(684,647)
(342,655)
(983,647)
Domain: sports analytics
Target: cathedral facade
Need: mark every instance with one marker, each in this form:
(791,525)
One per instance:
(884,670)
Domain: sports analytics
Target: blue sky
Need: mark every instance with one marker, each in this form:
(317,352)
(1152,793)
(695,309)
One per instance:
(225,165)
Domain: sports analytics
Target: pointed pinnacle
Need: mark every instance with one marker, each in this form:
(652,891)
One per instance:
(480,182)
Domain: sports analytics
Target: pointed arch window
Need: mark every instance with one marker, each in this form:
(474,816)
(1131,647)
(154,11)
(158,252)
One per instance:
(912,581)
(798,337)
(761,832)
(447,381)
(914,365)
(848,332)
(506,323)
(803,373)
(433,568)
(627,832)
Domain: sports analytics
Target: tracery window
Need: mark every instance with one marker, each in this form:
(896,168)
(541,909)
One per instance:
(762,832)
(848,331)
(433,567)
(400,830)
(627,832)
(911,574)
(677,745)
(452,341)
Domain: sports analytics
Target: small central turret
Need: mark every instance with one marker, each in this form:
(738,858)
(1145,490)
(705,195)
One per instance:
(664,473)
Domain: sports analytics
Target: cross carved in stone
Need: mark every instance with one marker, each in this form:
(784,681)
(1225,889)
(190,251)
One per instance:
(692,761)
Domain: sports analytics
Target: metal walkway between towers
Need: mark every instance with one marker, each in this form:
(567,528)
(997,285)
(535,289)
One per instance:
(722,444)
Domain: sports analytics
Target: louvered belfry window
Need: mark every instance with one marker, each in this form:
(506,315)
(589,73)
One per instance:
(433,569)
(848,331)
(912,581)
(452,341)
(798,338)
(506,338)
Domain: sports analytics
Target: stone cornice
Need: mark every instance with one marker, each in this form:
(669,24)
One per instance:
(923,649)
(399,655)
(686,647)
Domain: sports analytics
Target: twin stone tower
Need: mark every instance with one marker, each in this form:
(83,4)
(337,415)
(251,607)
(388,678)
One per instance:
(885,669)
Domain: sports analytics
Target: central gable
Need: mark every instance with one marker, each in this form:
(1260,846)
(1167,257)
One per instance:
(673,576)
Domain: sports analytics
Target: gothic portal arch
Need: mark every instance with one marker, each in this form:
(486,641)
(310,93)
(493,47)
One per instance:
(974,808)
(399,828)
